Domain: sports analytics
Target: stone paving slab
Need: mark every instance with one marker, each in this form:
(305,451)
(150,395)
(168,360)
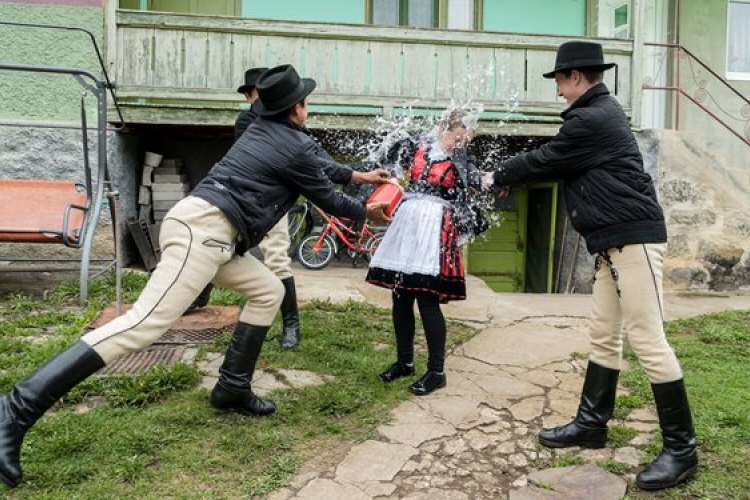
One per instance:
(476,438)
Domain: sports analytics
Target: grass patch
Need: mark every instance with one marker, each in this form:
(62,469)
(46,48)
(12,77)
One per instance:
(568,461)
(624,404)
(157,437)
(619,435)
(617,468)
(714,351)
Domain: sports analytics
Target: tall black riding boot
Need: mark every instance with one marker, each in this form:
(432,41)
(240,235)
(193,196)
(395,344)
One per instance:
(678,460)
(589,428)
(232,391)
(290,335)
(30,398)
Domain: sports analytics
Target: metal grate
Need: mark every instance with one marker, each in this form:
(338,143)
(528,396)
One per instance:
(141,361)
(204,336)
(203,326)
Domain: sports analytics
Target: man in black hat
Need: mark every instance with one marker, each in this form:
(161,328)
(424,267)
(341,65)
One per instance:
(613,204)
(205,237)
(275,246)
(244,119)
(247,116)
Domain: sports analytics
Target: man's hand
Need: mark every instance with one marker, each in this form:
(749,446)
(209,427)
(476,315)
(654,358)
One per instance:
(488,184)
(376,214)
(377,176)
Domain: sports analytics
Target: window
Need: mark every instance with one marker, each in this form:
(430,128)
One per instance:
(415,13)
(454,14)
(461,14)
(622,22)
(738,40)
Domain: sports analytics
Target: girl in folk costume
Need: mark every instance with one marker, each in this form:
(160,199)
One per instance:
(420,255)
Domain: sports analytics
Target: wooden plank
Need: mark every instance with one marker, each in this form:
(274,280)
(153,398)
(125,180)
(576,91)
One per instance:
(219,74)
(424,72)
(195,46)
(135,54)
(283,50)
(387,63)
(619,79)
(319,64)
(241,57)
(509,74)
(168,58)
(538,88)
(348,70)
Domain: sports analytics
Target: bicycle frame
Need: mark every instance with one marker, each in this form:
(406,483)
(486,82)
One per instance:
(345,233)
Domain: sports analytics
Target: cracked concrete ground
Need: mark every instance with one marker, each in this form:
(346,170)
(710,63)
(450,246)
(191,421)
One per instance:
(476,439)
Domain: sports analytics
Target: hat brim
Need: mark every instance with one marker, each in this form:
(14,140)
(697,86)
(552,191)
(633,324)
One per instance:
(601,67)
(308,85)
(245,89)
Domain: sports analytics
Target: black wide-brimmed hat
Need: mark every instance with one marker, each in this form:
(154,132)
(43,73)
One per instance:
(280,88)
(251,78)
(579,55)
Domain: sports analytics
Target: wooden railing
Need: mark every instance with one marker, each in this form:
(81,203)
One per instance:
(180,62)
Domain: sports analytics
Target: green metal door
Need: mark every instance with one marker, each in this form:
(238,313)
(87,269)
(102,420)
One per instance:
(499,256)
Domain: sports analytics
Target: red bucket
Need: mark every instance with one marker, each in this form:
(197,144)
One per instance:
(388,192)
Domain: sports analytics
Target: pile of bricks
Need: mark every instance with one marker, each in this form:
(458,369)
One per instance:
(163,184)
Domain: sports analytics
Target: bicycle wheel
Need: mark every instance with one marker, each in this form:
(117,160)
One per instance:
(372,244)
(311,258)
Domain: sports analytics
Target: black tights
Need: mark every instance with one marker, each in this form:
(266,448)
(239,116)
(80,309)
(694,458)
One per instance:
(432,320)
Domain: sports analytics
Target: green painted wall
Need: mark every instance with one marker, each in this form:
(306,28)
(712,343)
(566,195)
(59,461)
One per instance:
(544,17)
(330,11)
(46,97)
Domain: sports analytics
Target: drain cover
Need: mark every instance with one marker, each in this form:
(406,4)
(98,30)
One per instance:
(140,361)
(199,327)
(207,336)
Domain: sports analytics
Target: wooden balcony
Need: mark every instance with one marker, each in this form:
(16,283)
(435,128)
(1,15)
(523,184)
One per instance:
(184,69)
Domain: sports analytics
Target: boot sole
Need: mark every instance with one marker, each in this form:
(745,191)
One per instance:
(685,476)
(592,445)
(9,483)
(242,411)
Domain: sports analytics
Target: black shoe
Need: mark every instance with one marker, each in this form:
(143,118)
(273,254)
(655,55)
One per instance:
(428,383)
(589,428)
(244,402)
(396,370)
(678,460)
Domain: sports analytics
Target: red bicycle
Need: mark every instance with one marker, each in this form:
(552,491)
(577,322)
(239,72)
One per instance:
(318,250)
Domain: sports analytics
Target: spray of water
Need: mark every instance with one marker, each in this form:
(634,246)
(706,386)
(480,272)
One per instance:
(490,83)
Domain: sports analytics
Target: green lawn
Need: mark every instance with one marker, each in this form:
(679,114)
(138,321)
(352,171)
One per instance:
(715,354)
(156,437)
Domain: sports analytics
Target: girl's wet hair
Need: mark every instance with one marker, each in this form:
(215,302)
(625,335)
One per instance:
(453,119)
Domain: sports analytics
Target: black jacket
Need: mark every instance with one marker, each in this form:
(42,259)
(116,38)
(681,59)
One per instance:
(244,120)
(611,200)
(339,174)
(263,174)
